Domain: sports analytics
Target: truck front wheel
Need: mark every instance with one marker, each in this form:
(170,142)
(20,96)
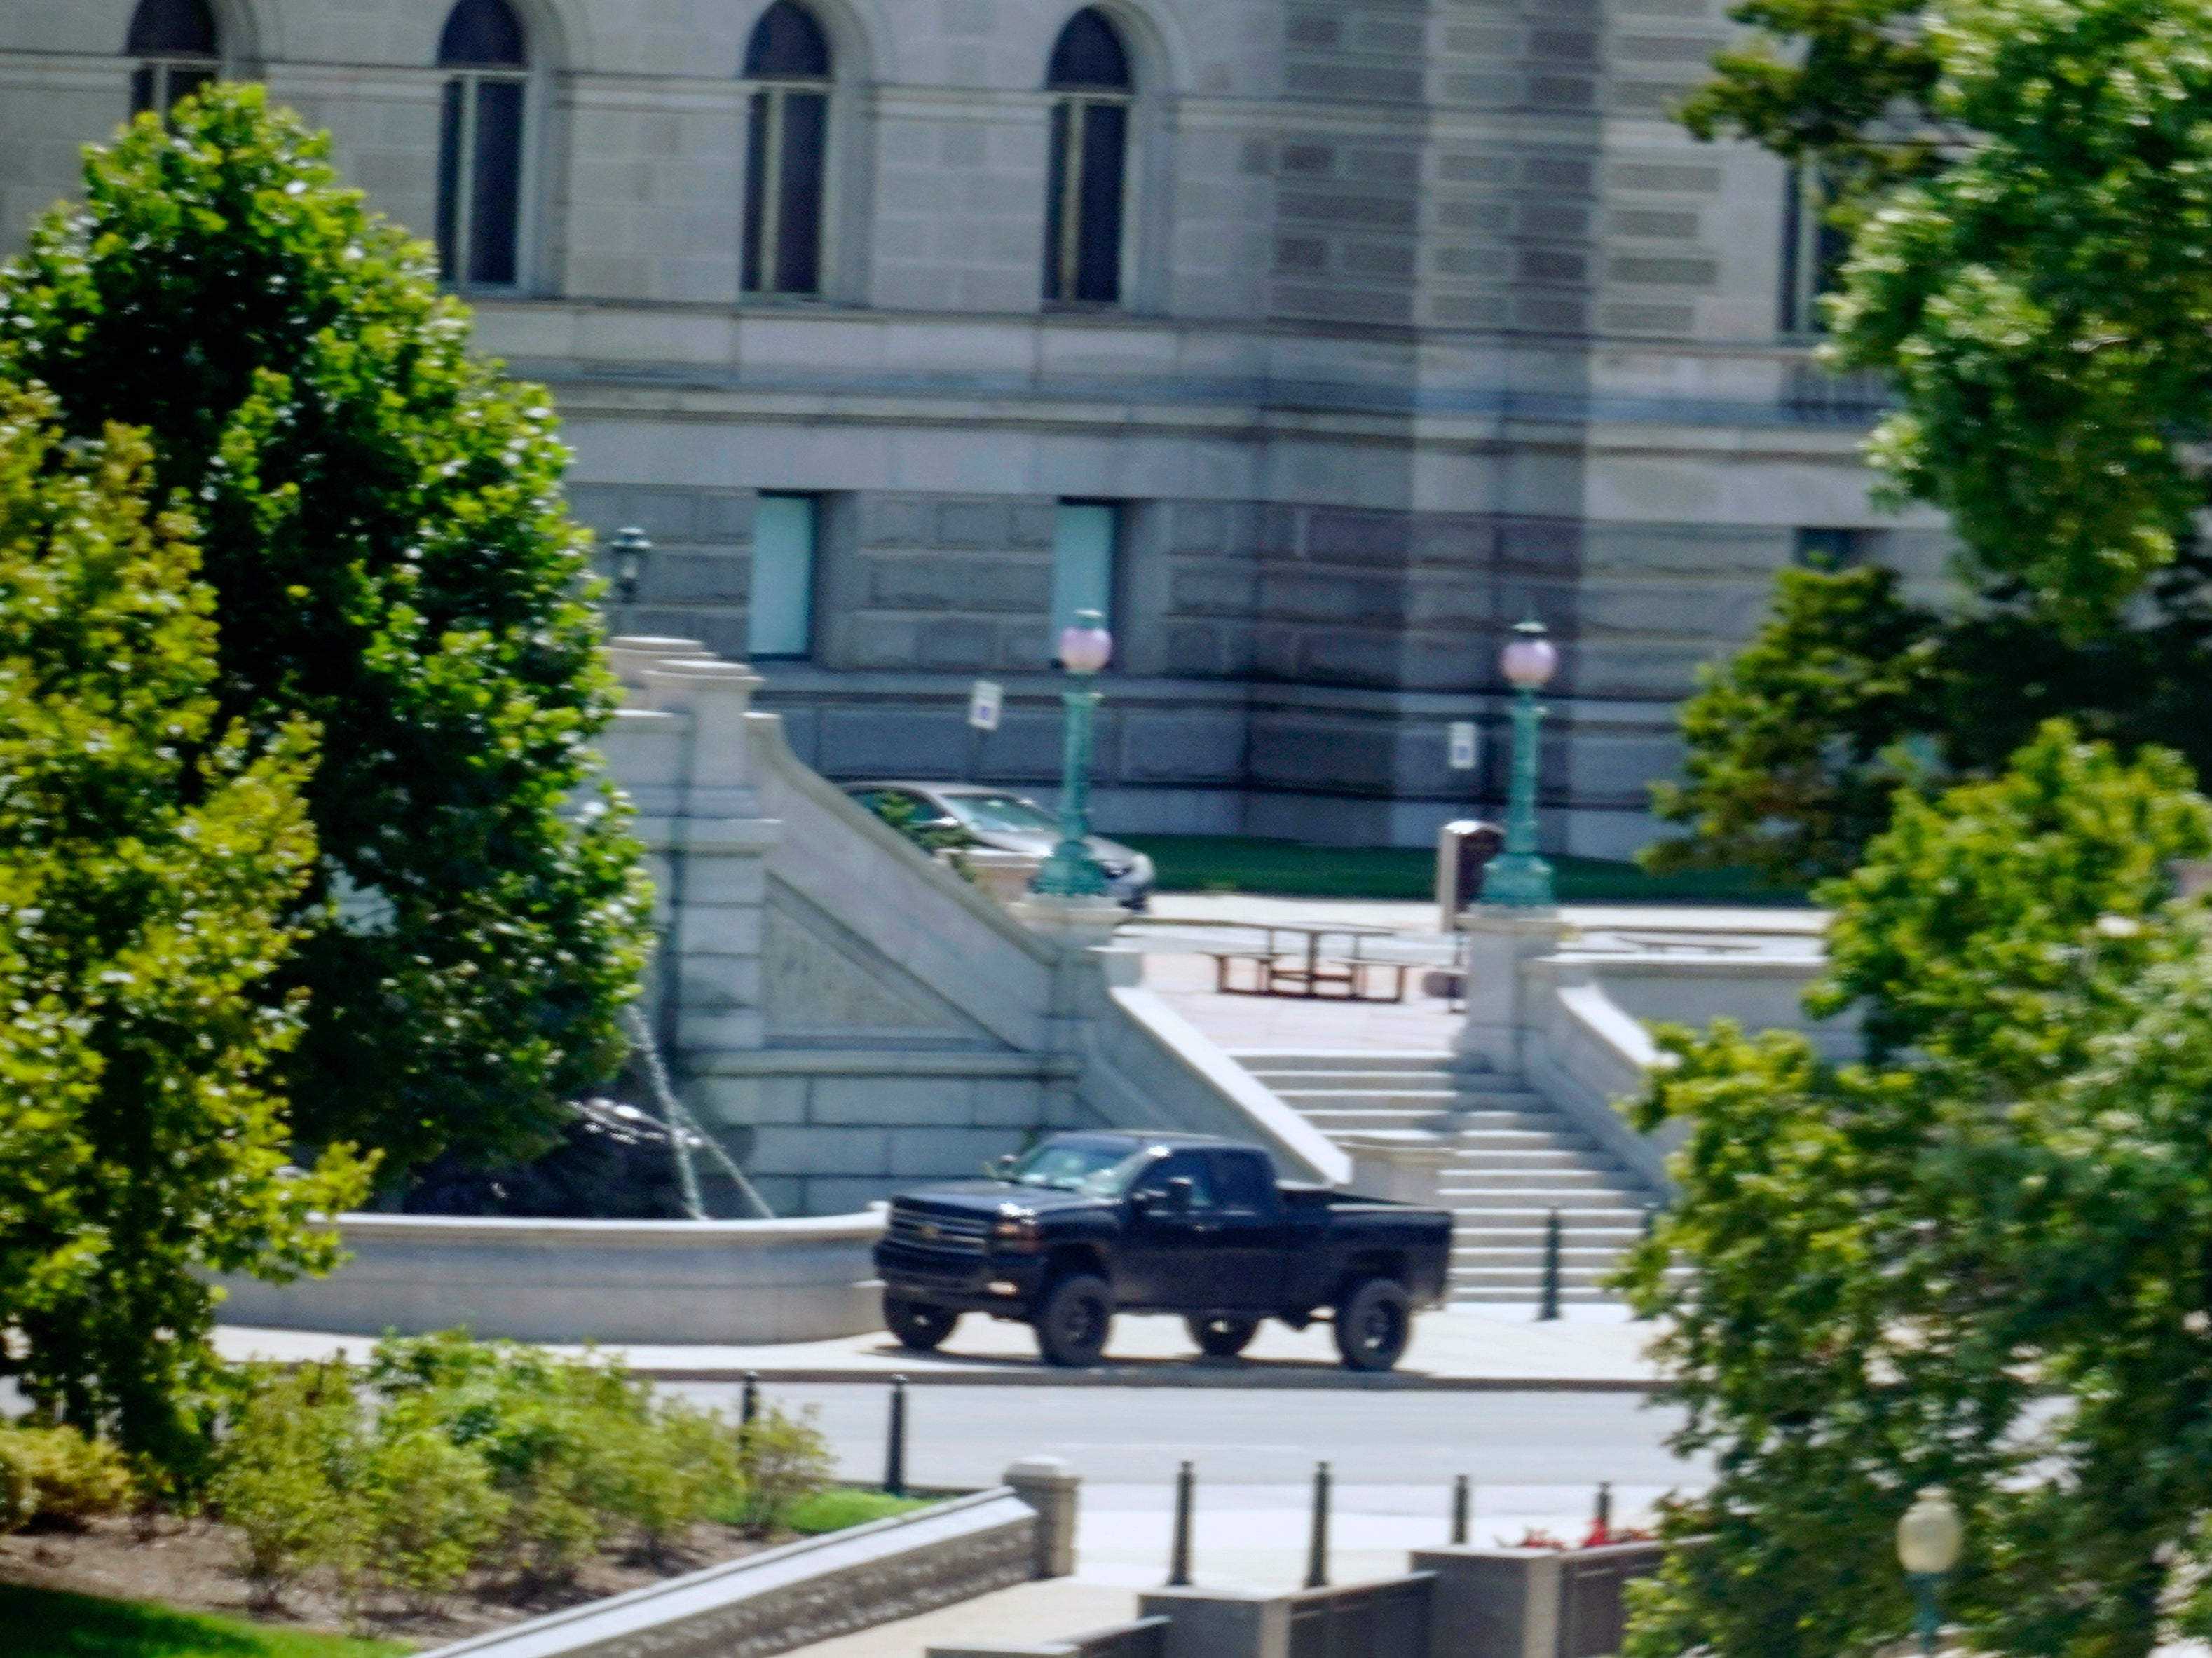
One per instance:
(1373,1325)
(917,1324)
(1223,1338)
(1073,1320)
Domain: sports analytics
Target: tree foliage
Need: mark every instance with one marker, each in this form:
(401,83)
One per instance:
(2028,184)
(2046,343)
(1978,1258)
(1797,744)
(151,853)
(390,556)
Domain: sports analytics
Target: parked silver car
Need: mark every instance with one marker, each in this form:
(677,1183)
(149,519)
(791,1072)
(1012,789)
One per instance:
(1010,823)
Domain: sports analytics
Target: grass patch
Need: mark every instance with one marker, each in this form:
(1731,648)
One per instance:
(834,1509)
(48,1624)
(1290,869)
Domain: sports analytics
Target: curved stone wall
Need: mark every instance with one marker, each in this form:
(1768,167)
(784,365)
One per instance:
(685,1282)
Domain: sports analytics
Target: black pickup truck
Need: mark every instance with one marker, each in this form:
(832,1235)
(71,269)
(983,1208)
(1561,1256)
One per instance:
(1087,1224)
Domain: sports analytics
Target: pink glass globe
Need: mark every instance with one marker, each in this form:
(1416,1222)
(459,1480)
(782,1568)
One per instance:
(1530,660)
(1086,646)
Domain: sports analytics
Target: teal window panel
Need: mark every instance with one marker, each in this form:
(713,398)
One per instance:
(1085,542)
(782,620)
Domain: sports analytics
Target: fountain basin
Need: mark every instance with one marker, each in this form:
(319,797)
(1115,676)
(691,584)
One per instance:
(674,1282)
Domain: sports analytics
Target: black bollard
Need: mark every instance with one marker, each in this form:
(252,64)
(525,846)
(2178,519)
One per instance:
(1550,1306)
(750,1407)
(1462,1509)
(895,1443)
(1179,1553)
(1318,1549)
(1603,1528)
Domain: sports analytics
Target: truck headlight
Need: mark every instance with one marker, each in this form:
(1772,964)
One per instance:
(1015,1230)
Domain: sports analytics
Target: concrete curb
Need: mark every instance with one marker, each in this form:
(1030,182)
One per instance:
(1117,1375)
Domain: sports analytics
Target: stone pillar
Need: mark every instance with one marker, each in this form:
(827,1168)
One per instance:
(1054,1489)
(1222,1623)
(1492,1603)
(1499,940)
(717,844)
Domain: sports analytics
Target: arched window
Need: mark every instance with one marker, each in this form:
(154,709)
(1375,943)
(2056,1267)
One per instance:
(788,58)
(480,145)
(178,49)
(1090,146)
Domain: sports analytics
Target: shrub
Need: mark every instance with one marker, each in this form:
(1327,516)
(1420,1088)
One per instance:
(427,1512)
(782,1459)
(288,1469)
(62,1475)
(679,1464)
(552,1431)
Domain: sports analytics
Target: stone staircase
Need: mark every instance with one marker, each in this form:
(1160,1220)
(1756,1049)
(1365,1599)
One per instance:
(1515,1159)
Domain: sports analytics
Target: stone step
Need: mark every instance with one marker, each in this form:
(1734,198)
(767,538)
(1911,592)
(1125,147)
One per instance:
(1487,1253)
(1463,1180)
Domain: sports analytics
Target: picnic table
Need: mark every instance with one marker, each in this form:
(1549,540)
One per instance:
(1300,967)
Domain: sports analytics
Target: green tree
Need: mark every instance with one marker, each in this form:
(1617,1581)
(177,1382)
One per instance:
(1796,746)
(385,538)
(150,854)
(1976,1258)
(2003,162)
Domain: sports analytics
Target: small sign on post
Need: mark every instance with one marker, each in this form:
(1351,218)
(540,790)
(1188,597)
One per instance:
(985,697)
(1465,746)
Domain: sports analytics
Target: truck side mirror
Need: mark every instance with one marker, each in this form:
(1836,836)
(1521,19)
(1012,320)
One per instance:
(1179,1190)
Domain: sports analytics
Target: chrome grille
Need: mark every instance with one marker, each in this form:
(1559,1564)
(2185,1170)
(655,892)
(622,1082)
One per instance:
(965,1234)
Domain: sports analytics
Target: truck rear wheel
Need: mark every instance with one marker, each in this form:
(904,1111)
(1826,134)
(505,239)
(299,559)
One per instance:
(1373,1325)
(1223,1338)
(917,1324)
(1073,1320)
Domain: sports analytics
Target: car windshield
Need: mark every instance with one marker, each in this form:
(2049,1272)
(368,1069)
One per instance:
(1094,1169)
(1000,815)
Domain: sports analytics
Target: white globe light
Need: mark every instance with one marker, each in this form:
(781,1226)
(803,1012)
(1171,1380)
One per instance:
(1530,660)
(1086,646)
(1929,1536)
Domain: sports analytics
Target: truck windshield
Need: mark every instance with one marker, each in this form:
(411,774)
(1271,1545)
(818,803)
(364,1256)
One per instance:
(1096,1171)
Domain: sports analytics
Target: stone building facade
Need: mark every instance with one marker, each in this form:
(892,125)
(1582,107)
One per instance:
(1320,340)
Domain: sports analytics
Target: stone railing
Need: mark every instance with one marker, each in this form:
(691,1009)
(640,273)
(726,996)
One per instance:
(612,1281)
(820,1587)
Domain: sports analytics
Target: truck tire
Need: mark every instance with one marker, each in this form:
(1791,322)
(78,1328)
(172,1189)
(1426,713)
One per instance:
(1073,1320)
(917,1324)
(1373,1325)
(1223,1338)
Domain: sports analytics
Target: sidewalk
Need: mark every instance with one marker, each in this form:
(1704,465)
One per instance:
(1594,1350)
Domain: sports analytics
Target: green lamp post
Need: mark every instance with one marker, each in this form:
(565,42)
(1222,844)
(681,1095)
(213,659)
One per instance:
(1929,1538)
(1517,877)
(1070,871)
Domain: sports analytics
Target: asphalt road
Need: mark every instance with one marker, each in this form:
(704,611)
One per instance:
(965,1437)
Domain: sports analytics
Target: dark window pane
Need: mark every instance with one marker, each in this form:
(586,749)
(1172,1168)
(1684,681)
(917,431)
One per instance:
(756,205)
(799,230)
(482,32)
(1099,249)
(1089,54)
(449,175)
(142,88)
(185,27)
(1055,206)
(496,189)
(182,82)
(788,43)
(1241,1180)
